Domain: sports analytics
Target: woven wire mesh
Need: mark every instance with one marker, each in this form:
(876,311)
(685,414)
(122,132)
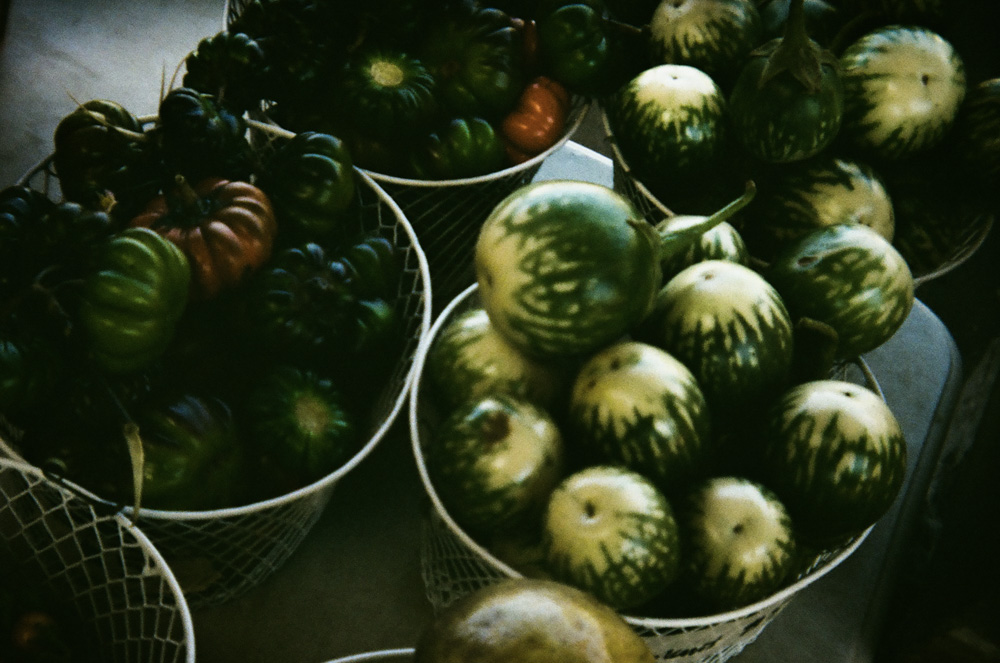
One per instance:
(453,563)
(107,572)
(218,555)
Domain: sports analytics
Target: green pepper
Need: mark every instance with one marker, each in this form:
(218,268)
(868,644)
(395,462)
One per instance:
(193,460)
(574,47)
(133,298)
(101,157)
(466,147)
(476,57)
(299,419)
(198,138)
(313,186)
(229,65)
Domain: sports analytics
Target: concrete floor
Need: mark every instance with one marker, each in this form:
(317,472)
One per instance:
(56,53)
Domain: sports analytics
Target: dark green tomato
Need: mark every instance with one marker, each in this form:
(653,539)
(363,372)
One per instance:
(574,47)
(21,208)
(377,154)
(387,94)
(374,268)
(476,58)
(313,186)
(67,236)
(198,138)
(300,76)
(101,156)
(299,420)
(193,459)
(400,23)
(781,120)
(301,306)
(27,372)
(229,65)
(464,148)
(132,299)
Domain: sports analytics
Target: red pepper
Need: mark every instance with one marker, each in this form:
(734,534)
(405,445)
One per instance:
(538,120)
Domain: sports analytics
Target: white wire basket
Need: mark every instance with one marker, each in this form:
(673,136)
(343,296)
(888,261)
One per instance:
(401,655)
(654,210)
(219,554)
(447,214)
(455,564)
(97,565)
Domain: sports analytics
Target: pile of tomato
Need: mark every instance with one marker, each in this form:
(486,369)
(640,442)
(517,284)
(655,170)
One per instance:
(431,91)
(196,320)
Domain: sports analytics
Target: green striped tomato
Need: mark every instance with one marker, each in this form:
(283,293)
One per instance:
(835,454)
(903,86)
(730,328)
(712,35)
(633,403)
(850,278)
(566,267)
(494,461)
(822,192)
(668,122)
(723,242)
(469,359)
(740,541)
(611,532)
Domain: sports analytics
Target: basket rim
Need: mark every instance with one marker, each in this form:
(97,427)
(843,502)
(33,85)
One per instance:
(650,622)
(377,654)
(330,479)
(148,548)
(536,160)
(584,104)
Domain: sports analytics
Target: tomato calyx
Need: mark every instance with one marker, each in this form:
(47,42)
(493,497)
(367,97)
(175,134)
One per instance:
(188,207)
(795,53)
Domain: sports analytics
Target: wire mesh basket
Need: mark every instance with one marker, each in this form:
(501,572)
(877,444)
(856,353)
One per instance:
(401,655)
(219,554)
(454,563)
(965,243)
(447,214)
(112,580)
